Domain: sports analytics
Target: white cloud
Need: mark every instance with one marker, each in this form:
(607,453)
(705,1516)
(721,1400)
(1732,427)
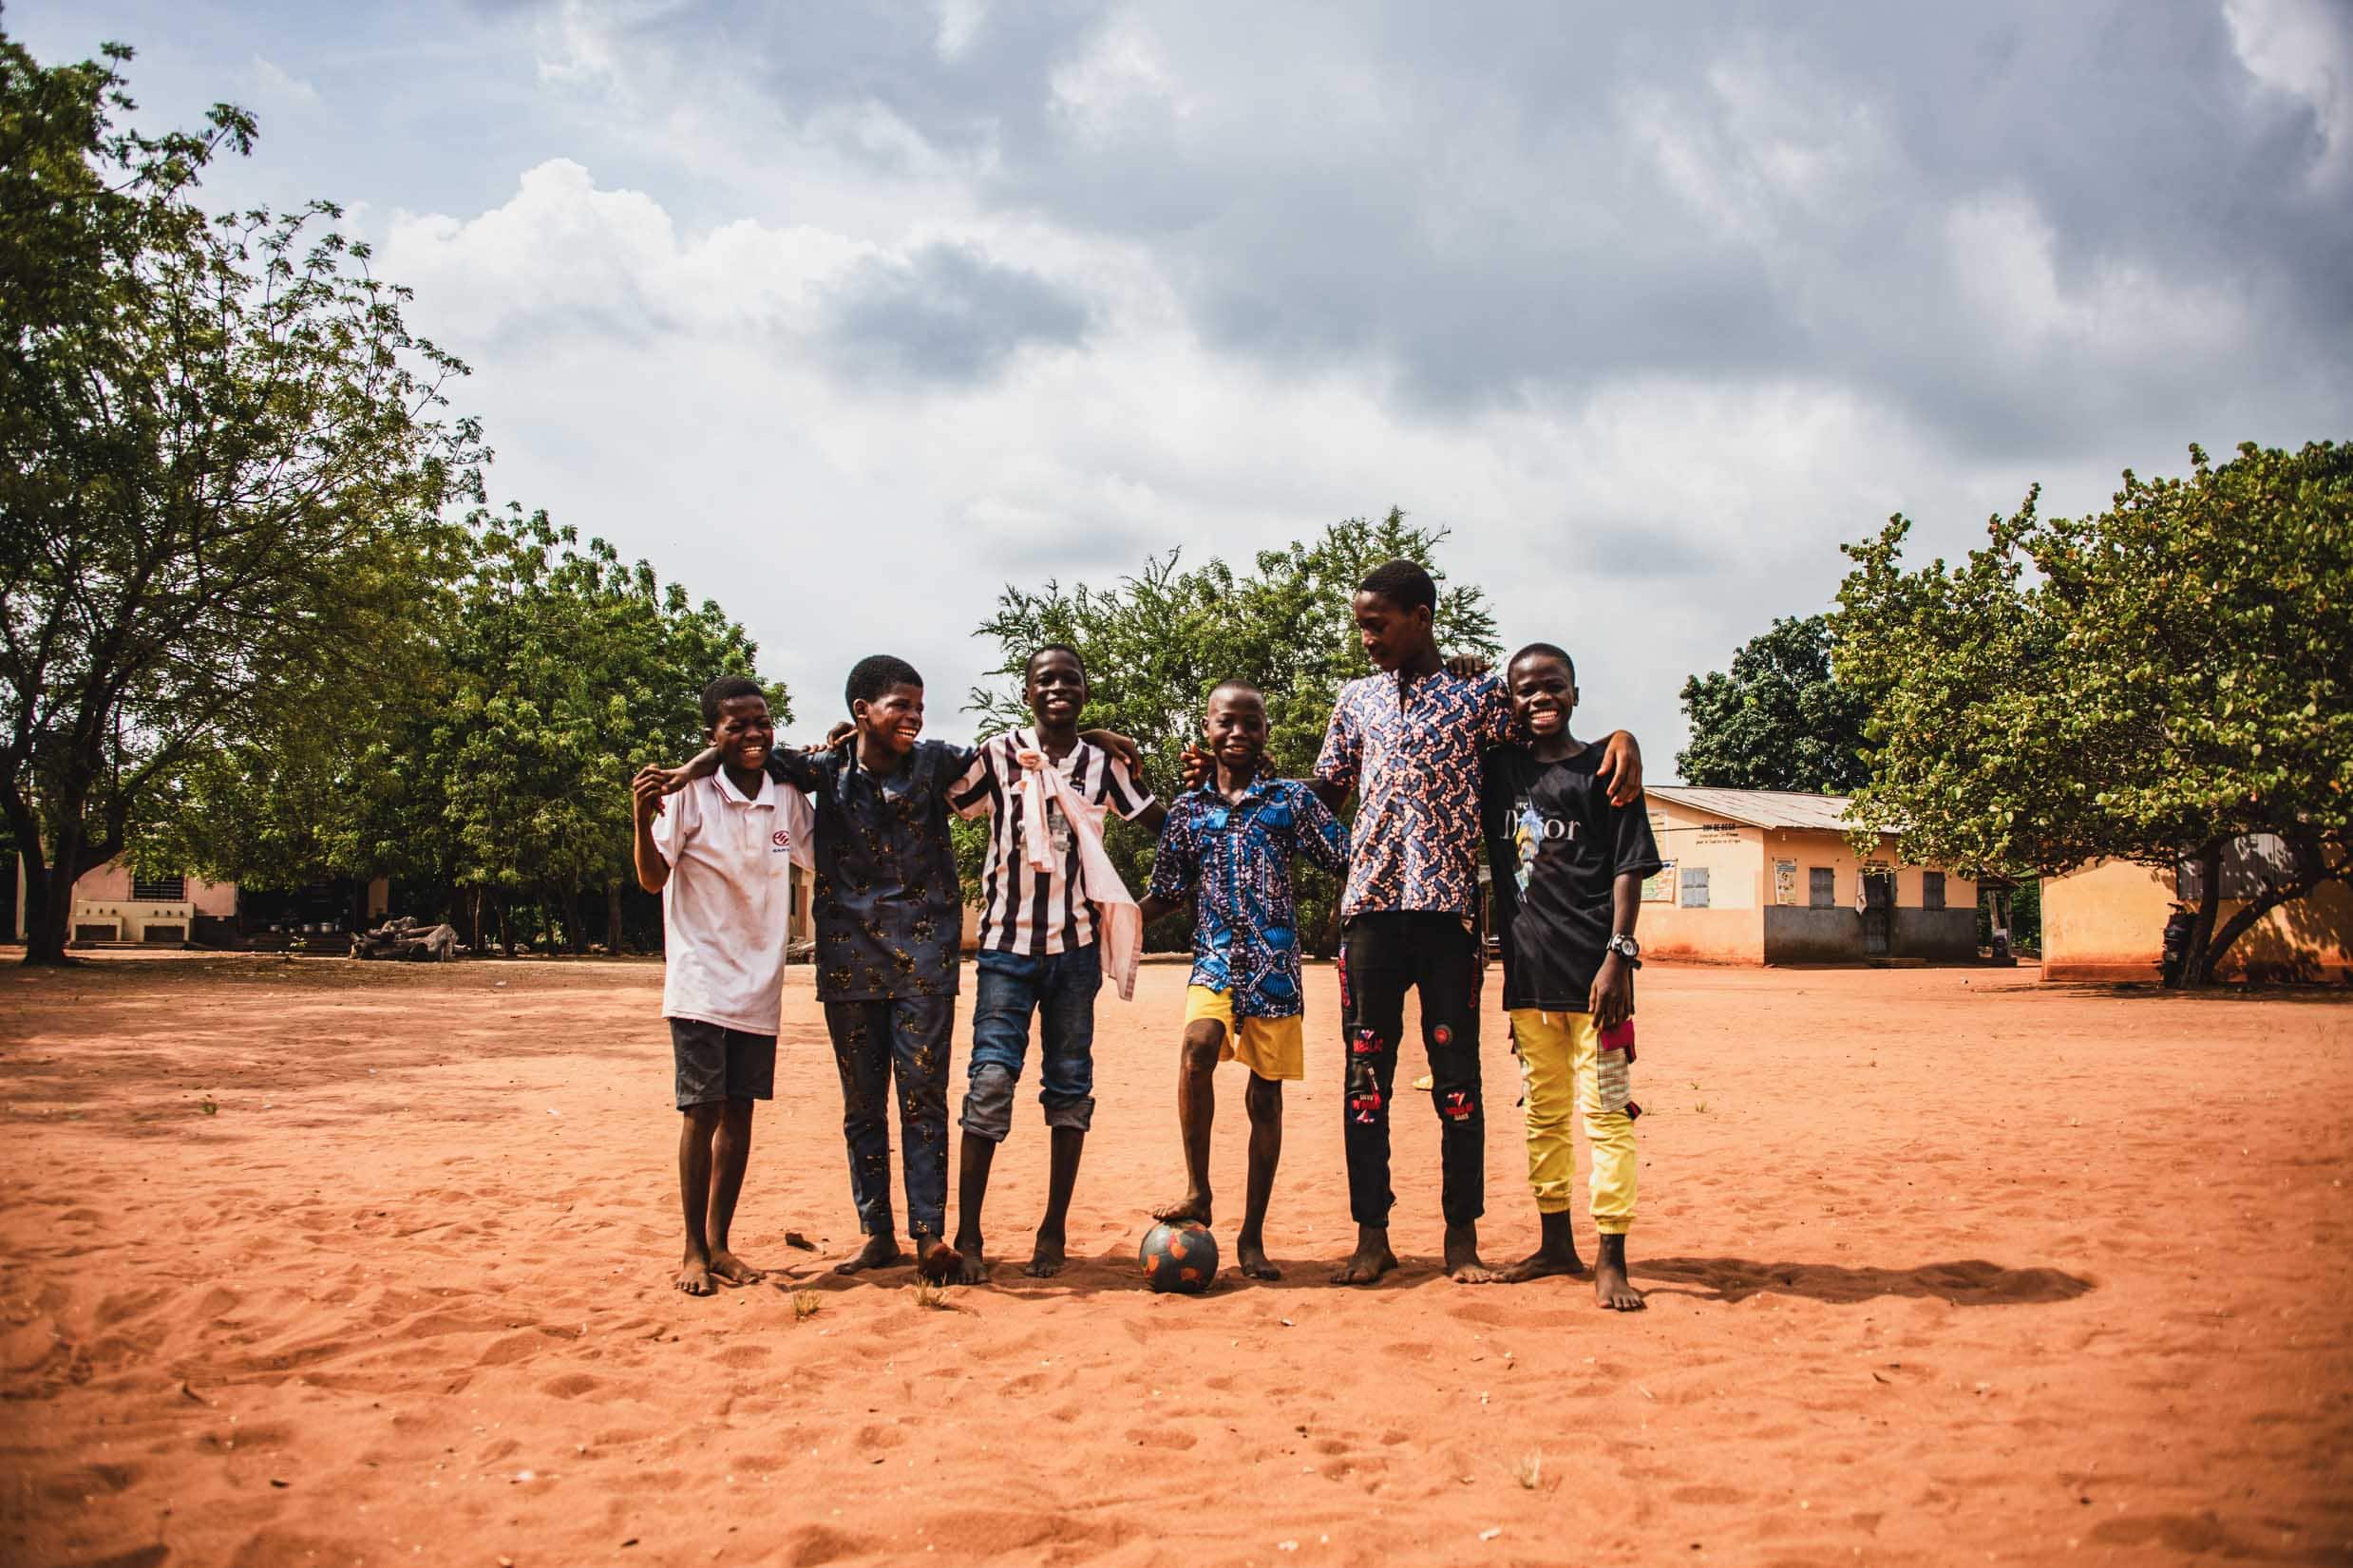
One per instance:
(272,84)
(2303,49)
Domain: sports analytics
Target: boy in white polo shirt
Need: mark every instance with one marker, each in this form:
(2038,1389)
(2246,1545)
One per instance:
(720,857)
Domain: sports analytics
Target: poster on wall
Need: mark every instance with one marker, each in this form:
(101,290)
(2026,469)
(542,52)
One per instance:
(1658,887)
(1785,882)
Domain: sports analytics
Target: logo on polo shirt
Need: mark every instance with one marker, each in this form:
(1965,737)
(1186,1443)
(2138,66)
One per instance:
(780,842)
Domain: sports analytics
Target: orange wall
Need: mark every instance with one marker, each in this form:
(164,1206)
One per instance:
(2107,922)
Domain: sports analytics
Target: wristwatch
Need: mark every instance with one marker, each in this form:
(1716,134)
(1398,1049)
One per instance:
(1628,948)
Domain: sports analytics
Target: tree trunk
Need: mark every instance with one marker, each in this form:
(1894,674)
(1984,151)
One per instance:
(476,940)
(575,932)
(2195,972)
(612,915)
(48,892)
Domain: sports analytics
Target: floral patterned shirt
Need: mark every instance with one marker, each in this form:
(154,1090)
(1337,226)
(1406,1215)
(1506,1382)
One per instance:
(1411,749)
(1238,854)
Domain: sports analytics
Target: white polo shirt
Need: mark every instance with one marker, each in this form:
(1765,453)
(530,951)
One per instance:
(728,904)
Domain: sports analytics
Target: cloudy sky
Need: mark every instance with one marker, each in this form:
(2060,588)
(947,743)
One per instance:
(848,316)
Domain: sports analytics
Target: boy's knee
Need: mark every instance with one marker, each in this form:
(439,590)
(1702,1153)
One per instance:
(1075,1112)
(987,1103)
(1263,1099)
(1203,1039)
(705,1115)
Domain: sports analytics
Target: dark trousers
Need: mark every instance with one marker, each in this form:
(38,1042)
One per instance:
(1381,955)
(871,1040)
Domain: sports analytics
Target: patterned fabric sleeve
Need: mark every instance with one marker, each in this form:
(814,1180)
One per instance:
(1343,751)
(801,770)
(1321,836)
(1176,865)
(1495,722)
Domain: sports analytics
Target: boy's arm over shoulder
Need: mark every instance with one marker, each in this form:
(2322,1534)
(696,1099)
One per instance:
(973,793)
(801,770)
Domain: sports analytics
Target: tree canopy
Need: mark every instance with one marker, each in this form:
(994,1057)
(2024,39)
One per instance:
(1779,719)
(225,464)
(2157,683)
(1155,643)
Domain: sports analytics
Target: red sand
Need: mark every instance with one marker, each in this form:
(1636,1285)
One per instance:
(1941,1265)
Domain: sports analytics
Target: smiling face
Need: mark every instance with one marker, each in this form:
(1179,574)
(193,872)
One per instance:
(744,733)
(1235,728)
(1544,695)
(893,720)
(1392,633)
(1056,689)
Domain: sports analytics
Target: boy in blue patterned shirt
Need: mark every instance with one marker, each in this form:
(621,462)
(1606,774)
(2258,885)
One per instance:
(1228,844)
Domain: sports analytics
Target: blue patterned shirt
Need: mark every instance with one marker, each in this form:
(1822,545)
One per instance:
(1411,752)
(1245,923)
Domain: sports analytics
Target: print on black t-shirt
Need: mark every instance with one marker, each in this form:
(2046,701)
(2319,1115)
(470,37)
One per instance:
(1554,846)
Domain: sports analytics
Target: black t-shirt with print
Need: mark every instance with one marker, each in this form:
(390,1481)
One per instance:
(1555,845)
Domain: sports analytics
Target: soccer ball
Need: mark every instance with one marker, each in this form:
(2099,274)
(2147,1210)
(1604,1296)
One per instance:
(1182,1257)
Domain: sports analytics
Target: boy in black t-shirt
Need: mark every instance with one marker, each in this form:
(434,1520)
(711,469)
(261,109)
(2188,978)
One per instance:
(1568,869)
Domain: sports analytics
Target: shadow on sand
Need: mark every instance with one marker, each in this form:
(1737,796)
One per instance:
(1973,1283)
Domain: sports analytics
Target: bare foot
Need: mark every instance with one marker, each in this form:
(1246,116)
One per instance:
(1611,1288)
(730,1270)
(971,1269)
(695,1275)
(1542,1264)
(1046,1259)
(1462,1258)
(1371,1260)
(1250,1257)
(935,1260)
(1193,1206)
(880,1252)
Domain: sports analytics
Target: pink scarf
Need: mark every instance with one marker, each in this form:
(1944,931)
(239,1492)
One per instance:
(1119,933)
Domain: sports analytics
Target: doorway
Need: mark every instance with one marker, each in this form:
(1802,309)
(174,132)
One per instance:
(1878,912)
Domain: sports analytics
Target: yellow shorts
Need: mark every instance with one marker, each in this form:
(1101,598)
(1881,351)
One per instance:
(1272,1047)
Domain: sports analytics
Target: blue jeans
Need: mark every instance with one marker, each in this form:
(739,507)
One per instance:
(1060,989)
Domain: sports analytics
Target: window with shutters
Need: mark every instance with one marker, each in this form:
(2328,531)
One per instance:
(1695,887)
(1821,887)
(1932,890)
(159,890)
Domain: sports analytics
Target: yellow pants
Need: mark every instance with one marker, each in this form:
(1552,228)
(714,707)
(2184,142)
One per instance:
(1558,1063)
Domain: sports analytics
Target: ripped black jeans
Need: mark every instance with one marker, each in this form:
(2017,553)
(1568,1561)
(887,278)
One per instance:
(1381,955)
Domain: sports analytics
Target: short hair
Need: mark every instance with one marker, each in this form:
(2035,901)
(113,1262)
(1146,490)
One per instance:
(1545,651)
(1235,685)
(876,673)
(724,689)
(1403,583)
(1076,657)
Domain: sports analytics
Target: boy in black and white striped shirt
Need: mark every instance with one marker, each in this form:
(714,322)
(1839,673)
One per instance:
(1037,947)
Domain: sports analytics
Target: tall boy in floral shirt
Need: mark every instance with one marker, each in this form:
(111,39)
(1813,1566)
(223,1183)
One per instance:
(1408,740)
(1229,844)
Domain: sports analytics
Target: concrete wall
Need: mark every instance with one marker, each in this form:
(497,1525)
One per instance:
(1729,930)
(1941,935)
(2107,922)
(111,883)
(1799,936)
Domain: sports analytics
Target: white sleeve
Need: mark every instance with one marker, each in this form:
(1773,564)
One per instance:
(675,825)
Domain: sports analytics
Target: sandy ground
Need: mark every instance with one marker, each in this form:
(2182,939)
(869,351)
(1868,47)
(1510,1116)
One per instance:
(1943,1266)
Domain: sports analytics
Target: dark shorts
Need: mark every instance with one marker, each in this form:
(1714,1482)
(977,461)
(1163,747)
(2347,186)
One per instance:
(714,1063)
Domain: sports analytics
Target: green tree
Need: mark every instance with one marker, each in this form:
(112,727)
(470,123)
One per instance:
(2169,680)
(502,775)
(1778,719)
(1156,643)
(224,467)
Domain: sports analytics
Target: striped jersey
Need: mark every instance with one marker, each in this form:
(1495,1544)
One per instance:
(1024,910)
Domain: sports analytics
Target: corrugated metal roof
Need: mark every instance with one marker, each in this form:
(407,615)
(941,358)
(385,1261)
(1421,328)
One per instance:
(1761,808)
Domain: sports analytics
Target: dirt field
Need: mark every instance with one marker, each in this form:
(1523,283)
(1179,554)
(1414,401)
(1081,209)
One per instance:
(1941,1265)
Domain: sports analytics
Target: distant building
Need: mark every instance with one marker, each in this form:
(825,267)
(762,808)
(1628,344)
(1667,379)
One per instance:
(2106,921)
(1768,877)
